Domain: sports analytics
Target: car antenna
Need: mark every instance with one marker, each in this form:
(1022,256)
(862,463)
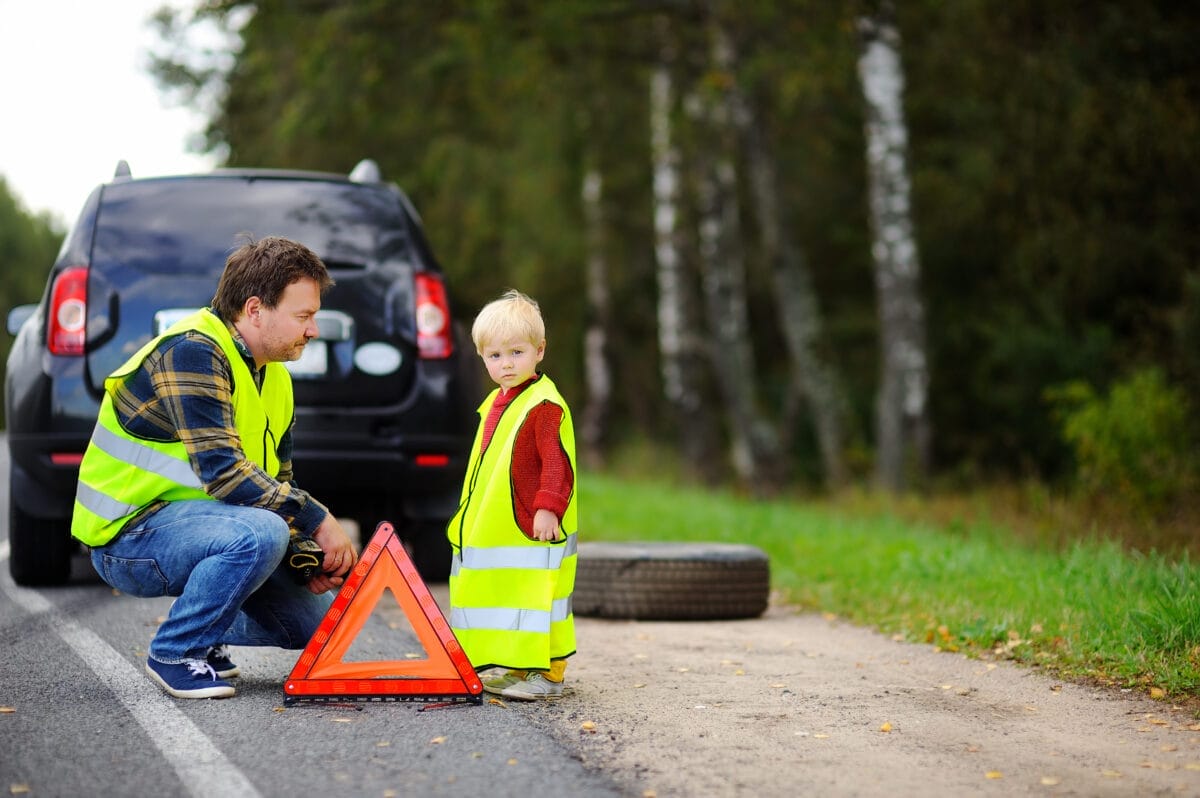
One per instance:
(122,172)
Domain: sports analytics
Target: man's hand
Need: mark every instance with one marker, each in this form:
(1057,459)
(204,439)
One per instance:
(545,526)
(340,555)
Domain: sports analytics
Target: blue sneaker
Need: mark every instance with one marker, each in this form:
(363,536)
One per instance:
(218,658)
(194,678)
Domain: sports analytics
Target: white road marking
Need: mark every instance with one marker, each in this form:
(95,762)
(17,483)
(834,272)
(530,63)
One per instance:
(200,765)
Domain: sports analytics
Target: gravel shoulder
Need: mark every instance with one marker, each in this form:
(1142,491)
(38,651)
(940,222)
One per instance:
(801,704)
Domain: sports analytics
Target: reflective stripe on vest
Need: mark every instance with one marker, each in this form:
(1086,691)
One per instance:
(506,619)
(516,556)
(121,474)
(143,457)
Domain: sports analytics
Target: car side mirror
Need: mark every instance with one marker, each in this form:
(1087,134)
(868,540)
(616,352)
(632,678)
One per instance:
(18,315)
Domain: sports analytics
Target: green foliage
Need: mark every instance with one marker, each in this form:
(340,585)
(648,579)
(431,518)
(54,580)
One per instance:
(966,587)
(1054,153)
(1135,443)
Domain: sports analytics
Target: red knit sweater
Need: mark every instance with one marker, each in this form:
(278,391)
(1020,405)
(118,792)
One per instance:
(542,475)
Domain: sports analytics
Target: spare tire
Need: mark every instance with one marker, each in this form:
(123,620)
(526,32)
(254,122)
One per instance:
(671,581)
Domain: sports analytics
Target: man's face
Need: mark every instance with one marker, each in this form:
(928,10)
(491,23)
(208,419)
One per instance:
(287,327)
(510,363)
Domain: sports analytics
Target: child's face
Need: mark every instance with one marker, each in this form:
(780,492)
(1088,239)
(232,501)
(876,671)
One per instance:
(510,363)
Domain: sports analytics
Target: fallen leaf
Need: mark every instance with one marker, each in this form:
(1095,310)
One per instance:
(1050,781)
(512,761)
(1160,722)
(438,740)
(649,794)
(1030,709)
(947,686)
(886,727)
(778,685)
(341,720)
(640,685)
(739,672)
(973,749)
(1158,693)
(1194,727)
(1111,774)
(1192,766)
(682,670)
(390,793)
(19,789)
(821,736)
(993,774)
(477,754)
(1170,748)
(383,743)
(279,709)
(497,702)
(588,726)
(7,710)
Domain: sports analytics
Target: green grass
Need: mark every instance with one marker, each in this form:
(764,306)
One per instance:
(1085,609)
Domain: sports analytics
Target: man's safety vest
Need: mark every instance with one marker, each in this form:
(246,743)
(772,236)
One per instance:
(122,473)
(510,597)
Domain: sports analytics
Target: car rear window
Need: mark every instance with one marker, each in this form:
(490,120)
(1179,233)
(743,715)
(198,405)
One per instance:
(191,224)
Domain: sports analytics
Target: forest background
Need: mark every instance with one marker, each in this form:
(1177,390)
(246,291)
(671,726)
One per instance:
(803,246)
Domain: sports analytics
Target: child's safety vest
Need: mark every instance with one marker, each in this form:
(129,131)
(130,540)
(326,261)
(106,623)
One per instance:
(510,597)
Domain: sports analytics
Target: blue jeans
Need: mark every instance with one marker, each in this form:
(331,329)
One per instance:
(225,565)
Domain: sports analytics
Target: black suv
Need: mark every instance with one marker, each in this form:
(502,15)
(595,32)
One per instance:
(385,396)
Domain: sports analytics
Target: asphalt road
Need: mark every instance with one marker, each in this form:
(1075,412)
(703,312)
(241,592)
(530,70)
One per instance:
(79,717)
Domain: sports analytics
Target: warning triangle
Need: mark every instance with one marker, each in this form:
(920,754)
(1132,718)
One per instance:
(321,674)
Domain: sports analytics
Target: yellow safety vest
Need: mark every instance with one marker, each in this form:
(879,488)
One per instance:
(122,473)
(510,597)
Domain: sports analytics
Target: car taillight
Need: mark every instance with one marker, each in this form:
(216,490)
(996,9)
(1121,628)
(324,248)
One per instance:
(66,327)
(434,339)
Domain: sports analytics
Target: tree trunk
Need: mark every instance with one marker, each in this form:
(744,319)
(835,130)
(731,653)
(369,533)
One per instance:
(597,374)
(799,311)
(678,336)
(901,409)
(753,444)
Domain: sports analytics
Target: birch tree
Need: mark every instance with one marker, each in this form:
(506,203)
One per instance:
(753,443)
(597,374)
(678,335)
(901,408)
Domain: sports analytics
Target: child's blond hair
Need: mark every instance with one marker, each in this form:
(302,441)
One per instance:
(512,317)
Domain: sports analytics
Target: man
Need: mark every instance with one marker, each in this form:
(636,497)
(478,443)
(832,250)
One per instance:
(186,486)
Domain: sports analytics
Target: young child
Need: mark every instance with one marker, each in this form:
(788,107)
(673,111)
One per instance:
(514,535)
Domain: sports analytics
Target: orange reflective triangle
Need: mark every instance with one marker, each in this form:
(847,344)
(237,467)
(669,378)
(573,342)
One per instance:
(321,674)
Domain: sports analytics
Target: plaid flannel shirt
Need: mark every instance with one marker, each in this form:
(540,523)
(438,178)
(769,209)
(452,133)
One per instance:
(183,391)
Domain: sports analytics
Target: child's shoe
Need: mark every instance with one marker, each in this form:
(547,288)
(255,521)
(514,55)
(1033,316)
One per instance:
(498,684)
(536,687)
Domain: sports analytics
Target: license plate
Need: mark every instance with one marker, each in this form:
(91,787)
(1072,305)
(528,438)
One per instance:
(313,363)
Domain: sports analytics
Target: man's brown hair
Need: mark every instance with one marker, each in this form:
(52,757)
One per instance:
(264,269)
